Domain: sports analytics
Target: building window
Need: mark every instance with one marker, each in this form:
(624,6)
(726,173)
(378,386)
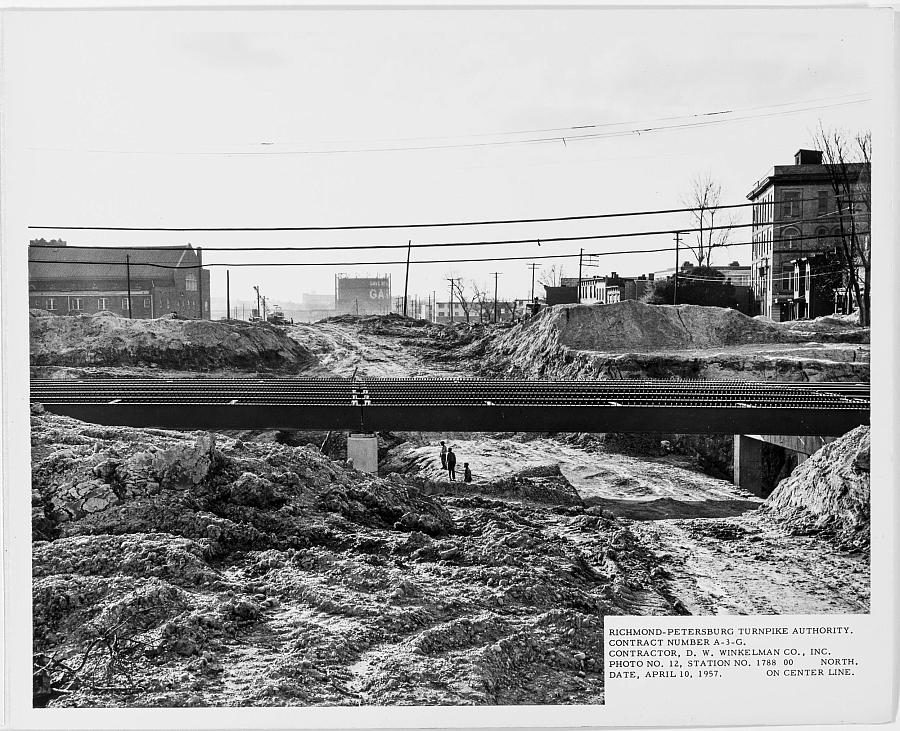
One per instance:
(146,303)
(823,201)
(101,303)
(190,282)
(791,204)
(51,303)
(75,303)
(124,303)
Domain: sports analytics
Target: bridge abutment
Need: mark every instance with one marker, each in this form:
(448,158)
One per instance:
(755,468)
(363,450)
(748,465)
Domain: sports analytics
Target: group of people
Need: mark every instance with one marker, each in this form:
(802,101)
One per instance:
(448,462)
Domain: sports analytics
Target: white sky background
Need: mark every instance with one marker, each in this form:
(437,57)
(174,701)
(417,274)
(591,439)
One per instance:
(123,118)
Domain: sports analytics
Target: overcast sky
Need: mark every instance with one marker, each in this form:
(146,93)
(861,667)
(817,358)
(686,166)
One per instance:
(237,119)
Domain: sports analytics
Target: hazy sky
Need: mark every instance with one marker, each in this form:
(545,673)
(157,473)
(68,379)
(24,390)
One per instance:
(235,119)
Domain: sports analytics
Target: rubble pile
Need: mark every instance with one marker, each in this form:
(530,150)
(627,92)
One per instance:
(186,569)
(635,340)
(829,493)
(105,339)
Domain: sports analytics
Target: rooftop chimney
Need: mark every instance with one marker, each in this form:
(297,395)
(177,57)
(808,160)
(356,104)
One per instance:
(808,157)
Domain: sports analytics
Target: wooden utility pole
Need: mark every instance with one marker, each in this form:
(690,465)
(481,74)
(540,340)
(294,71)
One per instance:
(452,280)
(675,292)
(406,281)
(496,274)
(580,257)
(533,267)
(258,310)
(228,294)
(128,281)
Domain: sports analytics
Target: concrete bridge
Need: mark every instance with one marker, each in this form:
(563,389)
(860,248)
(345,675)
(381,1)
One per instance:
(794,416)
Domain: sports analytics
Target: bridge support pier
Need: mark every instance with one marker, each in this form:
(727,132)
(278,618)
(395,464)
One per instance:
(363,450)
(748,467)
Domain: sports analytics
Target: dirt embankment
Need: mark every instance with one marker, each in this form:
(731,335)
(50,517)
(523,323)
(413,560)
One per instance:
(165,343)
(179,569)
(829,493)
(635,340)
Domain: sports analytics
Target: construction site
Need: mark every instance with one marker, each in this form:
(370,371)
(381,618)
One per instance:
(231,513)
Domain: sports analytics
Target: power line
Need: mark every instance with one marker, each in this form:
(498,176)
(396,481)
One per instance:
(403,261)
(382,226)
(493,242)
(589,125)
(556,138)
(377,226)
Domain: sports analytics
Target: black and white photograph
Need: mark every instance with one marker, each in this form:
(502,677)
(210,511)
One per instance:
(377,357)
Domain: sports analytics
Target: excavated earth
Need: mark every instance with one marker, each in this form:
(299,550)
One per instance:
(184,569)
(635,340)
(198,569)
(105,340)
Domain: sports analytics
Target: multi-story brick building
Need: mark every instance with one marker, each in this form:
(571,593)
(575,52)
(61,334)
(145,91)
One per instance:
(797,216)
(72,281)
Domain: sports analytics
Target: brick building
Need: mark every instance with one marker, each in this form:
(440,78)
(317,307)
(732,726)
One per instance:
(74,281)
(797,217)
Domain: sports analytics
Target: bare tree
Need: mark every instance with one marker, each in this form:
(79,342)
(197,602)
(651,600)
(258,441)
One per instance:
(849,166)
(551,276)
(703,200)
(482,301)
(464,301)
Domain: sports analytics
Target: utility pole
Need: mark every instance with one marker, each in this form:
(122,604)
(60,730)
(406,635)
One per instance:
(228,294)
(264,309)
(532,267)
(496,274)
(433,303)
(406,281)
(452,280)
(258,310)
(580,257)
(677,248)
(128,281)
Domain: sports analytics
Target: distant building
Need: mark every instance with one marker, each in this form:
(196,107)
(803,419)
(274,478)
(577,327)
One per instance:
(606,290)
(739,275)
(362,295)
(72,281)
(816,283)
(796,217)
(563,295)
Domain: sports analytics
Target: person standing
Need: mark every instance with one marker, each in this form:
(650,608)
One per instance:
(443,455)
(451,464)
(467,473)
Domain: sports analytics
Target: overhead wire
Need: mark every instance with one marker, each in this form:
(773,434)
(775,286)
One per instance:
(381,226)
(555,138)
(397,261)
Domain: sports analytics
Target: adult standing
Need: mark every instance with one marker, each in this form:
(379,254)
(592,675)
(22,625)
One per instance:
(443,455)
(451,464)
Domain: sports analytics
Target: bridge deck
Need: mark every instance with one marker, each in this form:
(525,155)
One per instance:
(374,404)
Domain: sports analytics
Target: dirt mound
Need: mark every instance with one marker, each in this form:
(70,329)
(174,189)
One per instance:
(106,339)
(829,492)
(182,569)
(636,340)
